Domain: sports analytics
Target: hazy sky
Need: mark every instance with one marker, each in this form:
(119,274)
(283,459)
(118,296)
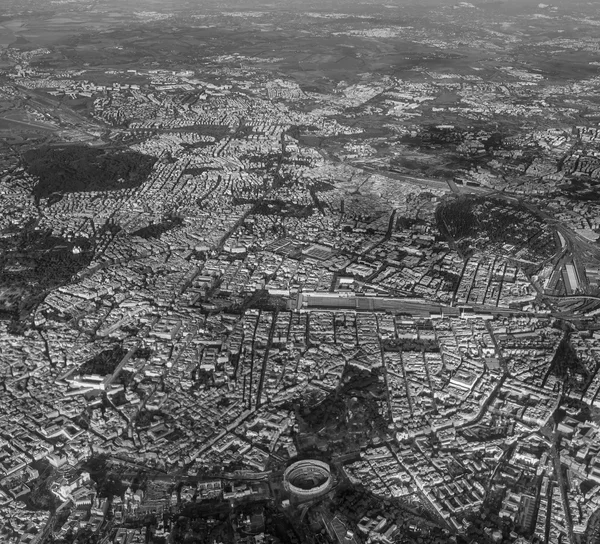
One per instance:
(161,5)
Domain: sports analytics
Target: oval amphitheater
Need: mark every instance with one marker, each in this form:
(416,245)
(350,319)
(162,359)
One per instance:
(307,479)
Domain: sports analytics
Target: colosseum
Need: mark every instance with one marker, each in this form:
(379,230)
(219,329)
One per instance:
(307,479)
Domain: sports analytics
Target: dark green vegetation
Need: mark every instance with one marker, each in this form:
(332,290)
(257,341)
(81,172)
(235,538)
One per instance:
(109,483)
(493,224)
(582,189)
(411,345)
(568,368)
(80,168)
(32,262)
(436,135)
(284,209)
(157,229)
(104,363)
(356,502)
(146,418)
(263,300)
(41,498)
(347,418)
